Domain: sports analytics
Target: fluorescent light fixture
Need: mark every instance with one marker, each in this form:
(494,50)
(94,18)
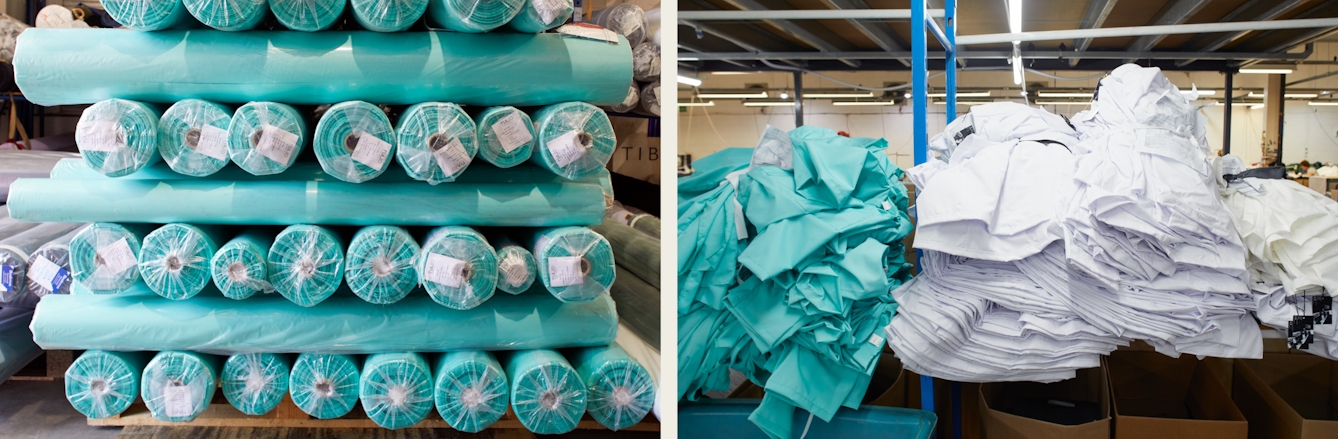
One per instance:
(1050,94)
(1288,95)
(687,59)
(1323,104)
(1267,71)
(697,104)
(1015,16)
(784,95)
(1017,66)
(860,103)
(1256,106)
(758,95)
(689,81)
(769,104)
(969,94)
(837,95)
(1062,103)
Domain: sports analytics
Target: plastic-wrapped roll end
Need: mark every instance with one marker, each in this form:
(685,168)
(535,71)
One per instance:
(436,142)
(354,141)
(175,260)
(396,390)
(630,103)
(101,384)
(177,386)
(541,15)
(193,137)
(576,139)
(265,138)
(575,263)
(307,15)
(388,15)
(626,19)
(147,15)
(240,271)
(49,271)
(103,258)
(13,270)
(620,394)
(255,383)
(324,386)
(506,136)
(474,16)
(458,267)
(228,15)
(306,264)
(380,264)
(471,390)
(646,62)
(118,137)
(650,98)
(548,396)
(516,269)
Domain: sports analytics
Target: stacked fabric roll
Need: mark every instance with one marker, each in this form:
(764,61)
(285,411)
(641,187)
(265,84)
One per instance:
(629,20)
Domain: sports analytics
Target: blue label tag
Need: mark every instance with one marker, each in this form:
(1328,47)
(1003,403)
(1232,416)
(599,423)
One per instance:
(6,278)
(57,281)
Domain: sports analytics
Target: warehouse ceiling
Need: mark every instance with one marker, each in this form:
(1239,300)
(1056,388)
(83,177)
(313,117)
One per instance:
(989,17)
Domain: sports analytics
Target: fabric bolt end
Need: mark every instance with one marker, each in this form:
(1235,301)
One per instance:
(228,15)
(625,19)
(506,136)
(307,15)
(306,264)
(118,137)
(574,139)
(239,268)
(541,15)
(175,260)
(49,267)
(575,264)
(324,386)
(104,256)
(102,384)
(396,389)
(177,386)
(354,141)
(265,138)
(458,267)
(436,142)
(149,15)
(471,390)
(380,264)
(256,383)
(619,390)
(388,15)
(547,393)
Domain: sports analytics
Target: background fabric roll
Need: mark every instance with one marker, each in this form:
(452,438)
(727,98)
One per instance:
(516,267)
(436,141)
(630,103)
(104,256)
(457,267)
(638,305)
(17,347)
(118,137)
(626,19)
(102,384)
(396,389)
(471,391)
(324,385)
(646,62)
(473,16)
(354,141)
(633,250)
(306,264)
(265,138)
(148,15)
(49,267)
(505,136)
(175,259)
(14,252)
(307,15)
(541,15)
(177,386)
(193,136)
(388,15)
(256,383)
(575,139)
(646,223)
(619,391)
(575,263)
(547,394)
(380,264)
(239,268)
(229,15)
(650,98)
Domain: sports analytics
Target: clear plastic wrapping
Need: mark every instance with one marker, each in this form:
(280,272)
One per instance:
(506,136)
(547,394)
(396,389)
(265,138)
(619,390)
(228,15)
(174,260)
(148,15)
(354,141)
(104,256)
(10,226)
(634,251)
(49,267)
(471,391)
(457,267)
(387,15)
(575,263)
(240,268)
(541,15)
(324,386)
(646,62)
(638,305)
(436,141)
(628,104)
(118,137)
(646,223)
(17,348)
(193,137)
(177,386)
(575,139)
(256,383)
(101,384)
(650,97)
(306,264)
(14,253)
(472,16)
(307,15)
(625,19)
(380,264)
(516,267)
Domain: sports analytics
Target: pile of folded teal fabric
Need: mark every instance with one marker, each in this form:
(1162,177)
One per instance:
(787,256)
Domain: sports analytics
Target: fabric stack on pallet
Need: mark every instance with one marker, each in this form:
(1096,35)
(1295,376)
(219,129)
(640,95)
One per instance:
(34,262)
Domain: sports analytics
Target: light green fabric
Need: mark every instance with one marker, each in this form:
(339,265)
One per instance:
(239,268)
(457,267)
(101,384)
(265,138)
(149,15)
(437,141)
(193,137)
(516,267)
(633,250)
(229,15)
(108,273)
(118,137)
(396,389)
(324,386)
(472,15)
(493,124)
(619,391)
(575,264)
(307,15)
(380,264)
(547,394)
(541,15)
(387,15)
(354,141)
(573,139)
(256,383)
(306,264)
(471,390)
(177,386)
(175,259)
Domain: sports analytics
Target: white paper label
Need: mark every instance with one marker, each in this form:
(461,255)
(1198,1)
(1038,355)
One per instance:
(564,271)
(589,32)
(213,142)
(116,257)
(887,205)
(512,132)
(276,144)
(371,151)
(515,273)
(47,273)
(548,9)
(876,340)
(444,270)
(177,401)
(452,157)
(102,136)
(565,149)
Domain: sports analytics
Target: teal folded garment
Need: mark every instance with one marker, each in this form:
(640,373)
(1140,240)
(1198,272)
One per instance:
(307,15)
(388,15)
(618,389)
(174,260)
(306,264)
(256,383)
(118,137)
(506,136)
(516,267)
(239,267)
(149,14)
(575,263)
(229,15)
(193,137)
(380,264)
(396,389)
(457,267)
(575,139)
(324,386)
(177,385)
(472,15)
(436,142)
(471,390)
(49,267)
(541,15)
(265,138)
(547,394)
(101,384)
(354,141)
(104,257)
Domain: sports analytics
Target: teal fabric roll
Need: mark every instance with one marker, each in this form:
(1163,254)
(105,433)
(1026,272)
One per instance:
(174,260)
(324,385)
(354,141)
(506,136)
(228,15)
(396,389)
(104,257)
(256,383)
(148,14)
(547,394)
(307,15)
(516,268)
(472,15)
(387,15)
(457,267)
(436,142)
(240,268)
(265,138)
(380,264)
(619,391)
(629,103)
(541,15)
(575,139)
(575,263)
(471,390)
(193,137)
(102,384)
(118,137)
(177,385)
(306,264)
(82,66)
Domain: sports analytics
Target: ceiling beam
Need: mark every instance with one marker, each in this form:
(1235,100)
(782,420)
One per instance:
(1097,11)
(730,38)
(879,32)
(994,54)
(1174,13)
(1273,12)
(1133,31)
(793,29)
(689,48)
(804,14)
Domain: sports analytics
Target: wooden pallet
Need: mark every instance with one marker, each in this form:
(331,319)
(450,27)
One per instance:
(48,367)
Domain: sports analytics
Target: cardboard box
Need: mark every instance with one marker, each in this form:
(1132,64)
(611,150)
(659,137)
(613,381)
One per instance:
(638,151)
(1288,396)
(1072,409)
(1156,396)
(887,388)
